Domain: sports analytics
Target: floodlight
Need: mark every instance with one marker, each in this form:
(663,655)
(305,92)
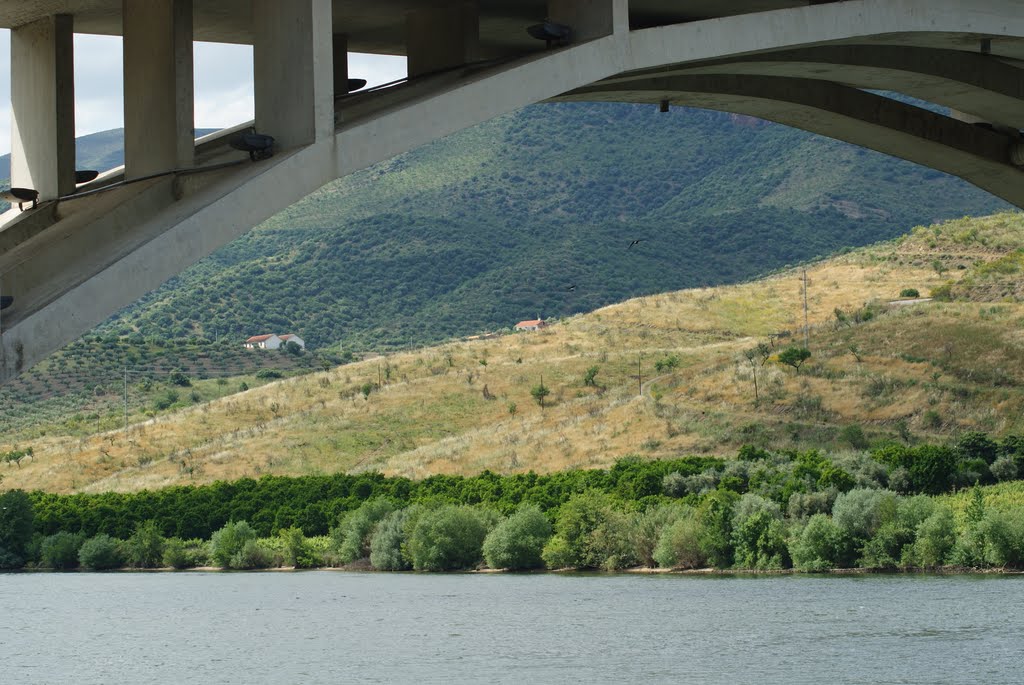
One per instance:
(258,145)
(20,196)
(551,33)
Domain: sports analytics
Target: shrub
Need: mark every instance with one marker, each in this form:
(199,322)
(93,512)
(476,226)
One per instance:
(885,550)
(1004,538)
(910,292)
(573,544)
(448,538)
(645,530)
(821,545)
(229,541)
(853,435)
(352,537)
(760,541)
(268,374)
(1004,468)
(389,549)
(977,445)
(679,545)
(180,379)
(715,517)
(802,505)
(517,542)
(858,513)
(16,523)
(297,551)
(175,554)
(251,555)
(145,548)
(60,550)
(101,553)
(935,538)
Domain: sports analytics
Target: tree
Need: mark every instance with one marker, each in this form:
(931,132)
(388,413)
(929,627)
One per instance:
(16,524)
(230,541)
(101,553)
(539,393)
(353,537)
(589,378)
(795,357)
(145,548)
(516,543)
(448,538)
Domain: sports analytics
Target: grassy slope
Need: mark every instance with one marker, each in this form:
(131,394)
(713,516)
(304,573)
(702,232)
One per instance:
(924,372)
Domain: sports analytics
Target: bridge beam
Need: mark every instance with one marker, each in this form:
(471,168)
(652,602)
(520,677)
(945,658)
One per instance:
(990,88)
(442,37)
(43,106)
(978,155)
(159,128)
(293,62)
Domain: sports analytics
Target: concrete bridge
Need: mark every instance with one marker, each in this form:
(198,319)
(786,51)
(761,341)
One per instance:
(87,249)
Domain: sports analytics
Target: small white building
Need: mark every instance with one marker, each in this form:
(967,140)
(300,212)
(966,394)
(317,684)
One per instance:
(532,325)
(263,342)
(291,337)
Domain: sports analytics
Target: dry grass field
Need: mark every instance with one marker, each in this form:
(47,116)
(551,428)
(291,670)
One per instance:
(923,370)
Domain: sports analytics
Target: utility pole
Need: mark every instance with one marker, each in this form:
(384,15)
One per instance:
(807,330)
(639,377)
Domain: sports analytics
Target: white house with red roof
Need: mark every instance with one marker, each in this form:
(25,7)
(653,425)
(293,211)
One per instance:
(263,342)
(272,341)
(532,325)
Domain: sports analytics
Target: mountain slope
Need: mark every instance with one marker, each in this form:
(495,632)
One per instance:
(494,224)
(924,371)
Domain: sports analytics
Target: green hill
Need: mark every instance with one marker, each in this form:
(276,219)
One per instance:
(495,224)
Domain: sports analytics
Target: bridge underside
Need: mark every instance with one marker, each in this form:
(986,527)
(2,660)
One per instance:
(89,249)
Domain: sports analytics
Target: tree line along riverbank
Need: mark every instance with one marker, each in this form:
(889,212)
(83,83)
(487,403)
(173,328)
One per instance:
(889,508)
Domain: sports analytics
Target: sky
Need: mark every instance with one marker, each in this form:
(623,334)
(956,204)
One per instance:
(223,84)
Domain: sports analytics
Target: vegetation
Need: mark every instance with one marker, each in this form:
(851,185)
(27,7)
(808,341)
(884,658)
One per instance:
(765,510)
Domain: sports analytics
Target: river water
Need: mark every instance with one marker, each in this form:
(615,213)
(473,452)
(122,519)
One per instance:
(335,627)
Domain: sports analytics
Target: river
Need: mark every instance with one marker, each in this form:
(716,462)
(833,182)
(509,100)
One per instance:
(337,627)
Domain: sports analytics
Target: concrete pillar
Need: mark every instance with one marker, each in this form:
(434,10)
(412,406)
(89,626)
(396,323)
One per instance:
(293,61)
(590,19)
(442,37)
(43,106)
(340,46)
(159,125)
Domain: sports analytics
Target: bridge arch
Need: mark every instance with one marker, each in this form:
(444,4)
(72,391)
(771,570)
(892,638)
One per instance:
(77,259)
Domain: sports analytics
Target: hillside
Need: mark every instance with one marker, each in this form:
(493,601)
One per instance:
(495,224)
(922,371)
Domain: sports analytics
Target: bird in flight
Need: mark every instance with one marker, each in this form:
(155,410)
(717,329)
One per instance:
(635,242)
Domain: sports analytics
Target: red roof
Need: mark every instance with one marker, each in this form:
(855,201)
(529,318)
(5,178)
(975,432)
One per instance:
(288,336)
(259,338)
(535,322)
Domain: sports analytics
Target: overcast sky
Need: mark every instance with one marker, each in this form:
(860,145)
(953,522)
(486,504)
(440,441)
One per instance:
(223,83)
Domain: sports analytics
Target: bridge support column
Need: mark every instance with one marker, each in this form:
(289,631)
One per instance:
(159,119)
(293,61)
(591,19)
(340,47)
(43,106)
(442,37)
